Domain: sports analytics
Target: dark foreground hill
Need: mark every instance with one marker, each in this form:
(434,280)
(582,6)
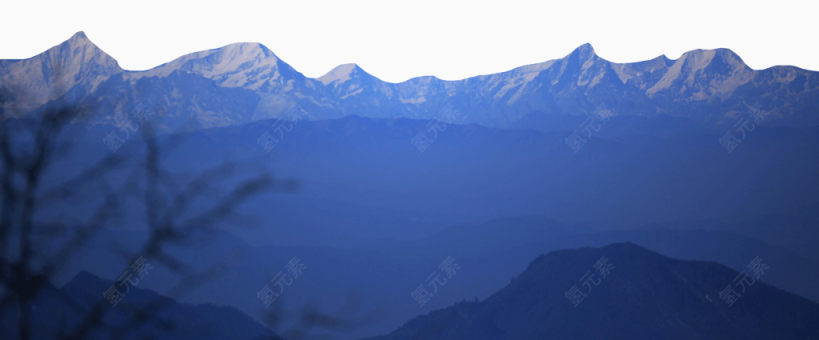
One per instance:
(140,314)
(624,291)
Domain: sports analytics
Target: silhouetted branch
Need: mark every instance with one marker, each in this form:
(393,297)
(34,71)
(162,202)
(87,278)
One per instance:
(25,270)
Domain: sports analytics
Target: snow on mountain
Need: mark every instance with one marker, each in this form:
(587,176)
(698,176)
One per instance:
(698,65)
(34,81)
(703,85)
(642,74)
(339,74)
(236,65)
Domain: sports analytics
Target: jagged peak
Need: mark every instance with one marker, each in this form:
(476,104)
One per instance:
(78,41)
(697,61)
(340,73)
(247,48)
(586,47)
(662,59)
(248,64)
(76,53)
(584,51)
(232,54)
(700,58)
(79,36)
(235,54)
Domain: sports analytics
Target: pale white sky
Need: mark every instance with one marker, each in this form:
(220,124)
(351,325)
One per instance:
(397,40)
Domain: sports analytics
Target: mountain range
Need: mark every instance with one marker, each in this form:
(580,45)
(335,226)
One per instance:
(497,186)
(245,82)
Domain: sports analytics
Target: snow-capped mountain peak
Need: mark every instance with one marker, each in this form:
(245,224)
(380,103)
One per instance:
(248,65)
(583,52)
(243,82)
(696,70)
(52,73)
(340,74)
(79,52)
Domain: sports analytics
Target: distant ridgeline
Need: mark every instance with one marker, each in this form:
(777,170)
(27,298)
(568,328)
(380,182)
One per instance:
(244,82)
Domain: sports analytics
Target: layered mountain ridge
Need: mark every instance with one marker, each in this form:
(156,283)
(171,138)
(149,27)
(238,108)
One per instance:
(244,82)
(60,311)
(622,291)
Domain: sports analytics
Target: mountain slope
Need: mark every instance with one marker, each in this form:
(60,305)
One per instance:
(60,311)
(643,296)
(708,86)
(77,62)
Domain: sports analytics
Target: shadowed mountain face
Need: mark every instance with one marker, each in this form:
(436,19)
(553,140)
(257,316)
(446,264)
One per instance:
(245,82)
(59,312)
(625,292)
